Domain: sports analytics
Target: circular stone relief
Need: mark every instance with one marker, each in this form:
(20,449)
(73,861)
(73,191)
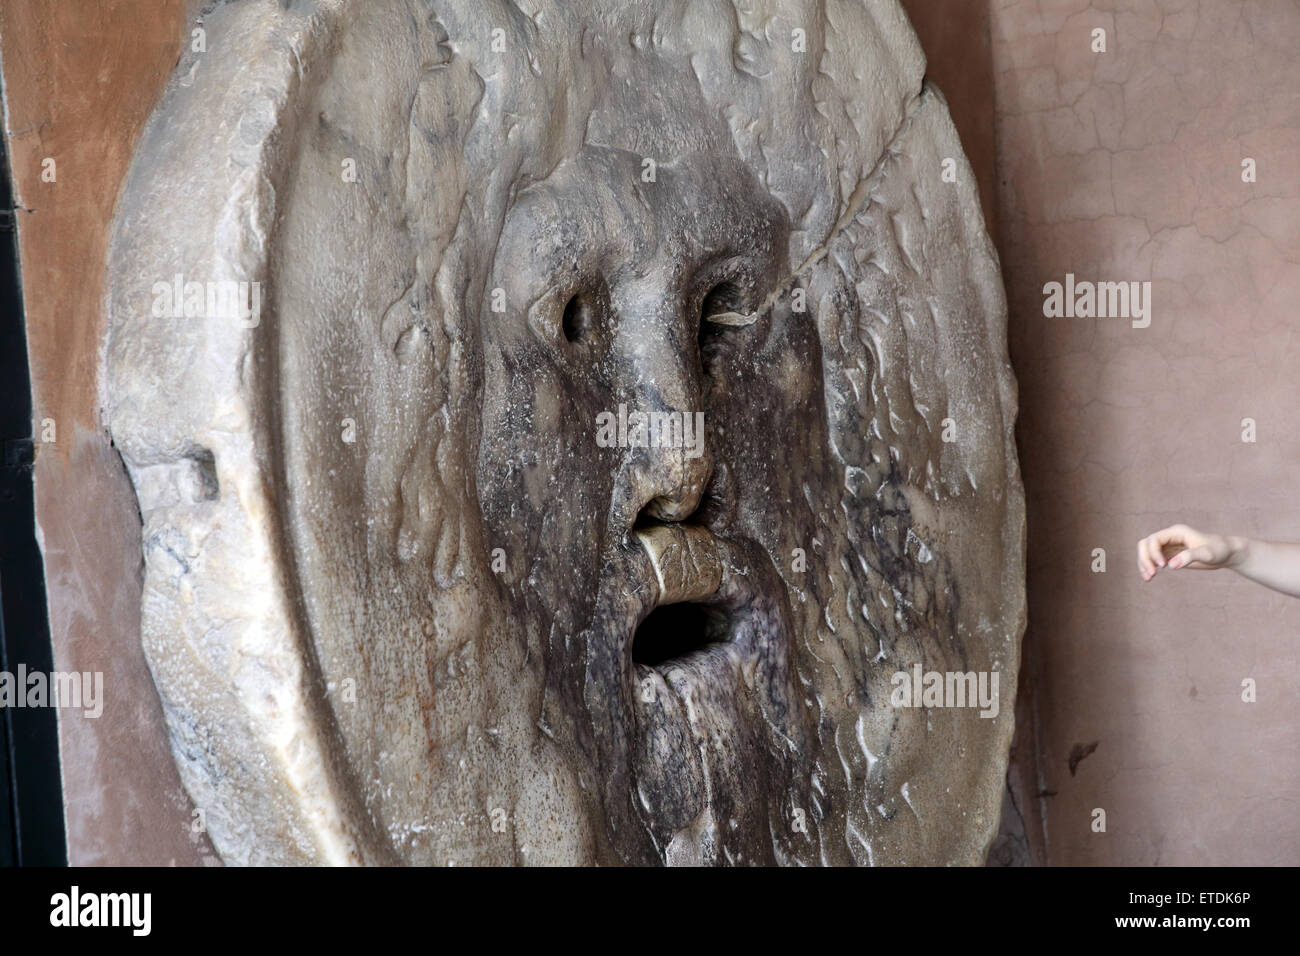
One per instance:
(570,438)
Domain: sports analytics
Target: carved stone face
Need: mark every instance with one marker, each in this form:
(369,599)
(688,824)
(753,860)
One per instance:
(611,440)
(693,716)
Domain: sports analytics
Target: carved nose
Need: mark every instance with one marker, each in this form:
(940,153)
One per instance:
(671,475)
(667,472)
(684,480)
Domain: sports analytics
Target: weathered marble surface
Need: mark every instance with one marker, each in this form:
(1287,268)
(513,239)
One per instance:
(391,577)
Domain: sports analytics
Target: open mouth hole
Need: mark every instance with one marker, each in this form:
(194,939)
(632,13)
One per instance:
(675,630)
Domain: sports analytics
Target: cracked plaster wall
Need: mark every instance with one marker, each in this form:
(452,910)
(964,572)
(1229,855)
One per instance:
(1126,165)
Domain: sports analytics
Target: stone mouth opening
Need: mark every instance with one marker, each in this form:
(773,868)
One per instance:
(672,632)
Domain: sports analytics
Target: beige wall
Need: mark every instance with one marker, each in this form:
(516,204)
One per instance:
(1127,166)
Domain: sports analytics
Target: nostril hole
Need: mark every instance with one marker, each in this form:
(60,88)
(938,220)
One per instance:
(676,630)
(660,511)
(577,319)
(682,506)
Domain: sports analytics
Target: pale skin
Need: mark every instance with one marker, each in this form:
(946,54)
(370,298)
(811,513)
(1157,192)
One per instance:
(1274,564)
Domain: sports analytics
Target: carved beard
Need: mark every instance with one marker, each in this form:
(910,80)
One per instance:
(719,684)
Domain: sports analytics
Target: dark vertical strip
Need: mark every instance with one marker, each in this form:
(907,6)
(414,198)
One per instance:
(8,790)
(31,817)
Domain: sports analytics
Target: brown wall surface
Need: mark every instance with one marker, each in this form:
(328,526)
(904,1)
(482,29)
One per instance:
(80,80)
(1127,165)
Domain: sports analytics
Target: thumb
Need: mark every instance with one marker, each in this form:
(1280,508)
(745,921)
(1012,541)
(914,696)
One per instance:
(1184,558)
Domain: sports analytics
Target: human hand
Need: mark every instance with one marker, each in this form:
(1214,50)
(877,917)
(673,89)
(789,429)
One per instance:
(1179,546)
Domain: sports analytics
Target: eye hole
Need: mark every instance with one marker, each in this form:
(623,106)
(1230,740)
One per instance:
(721,313)
(577,319)
(722,298)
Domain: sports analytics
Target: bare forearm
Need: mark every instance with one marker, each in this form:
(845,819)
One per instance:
(1274,564)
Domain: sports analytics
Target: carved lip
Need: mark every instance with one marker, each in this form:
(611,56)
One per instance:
(693,566)
(687,561)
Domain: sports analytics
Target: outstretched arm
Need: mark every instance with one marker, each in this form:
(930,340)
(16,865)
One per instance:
(1274,564)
